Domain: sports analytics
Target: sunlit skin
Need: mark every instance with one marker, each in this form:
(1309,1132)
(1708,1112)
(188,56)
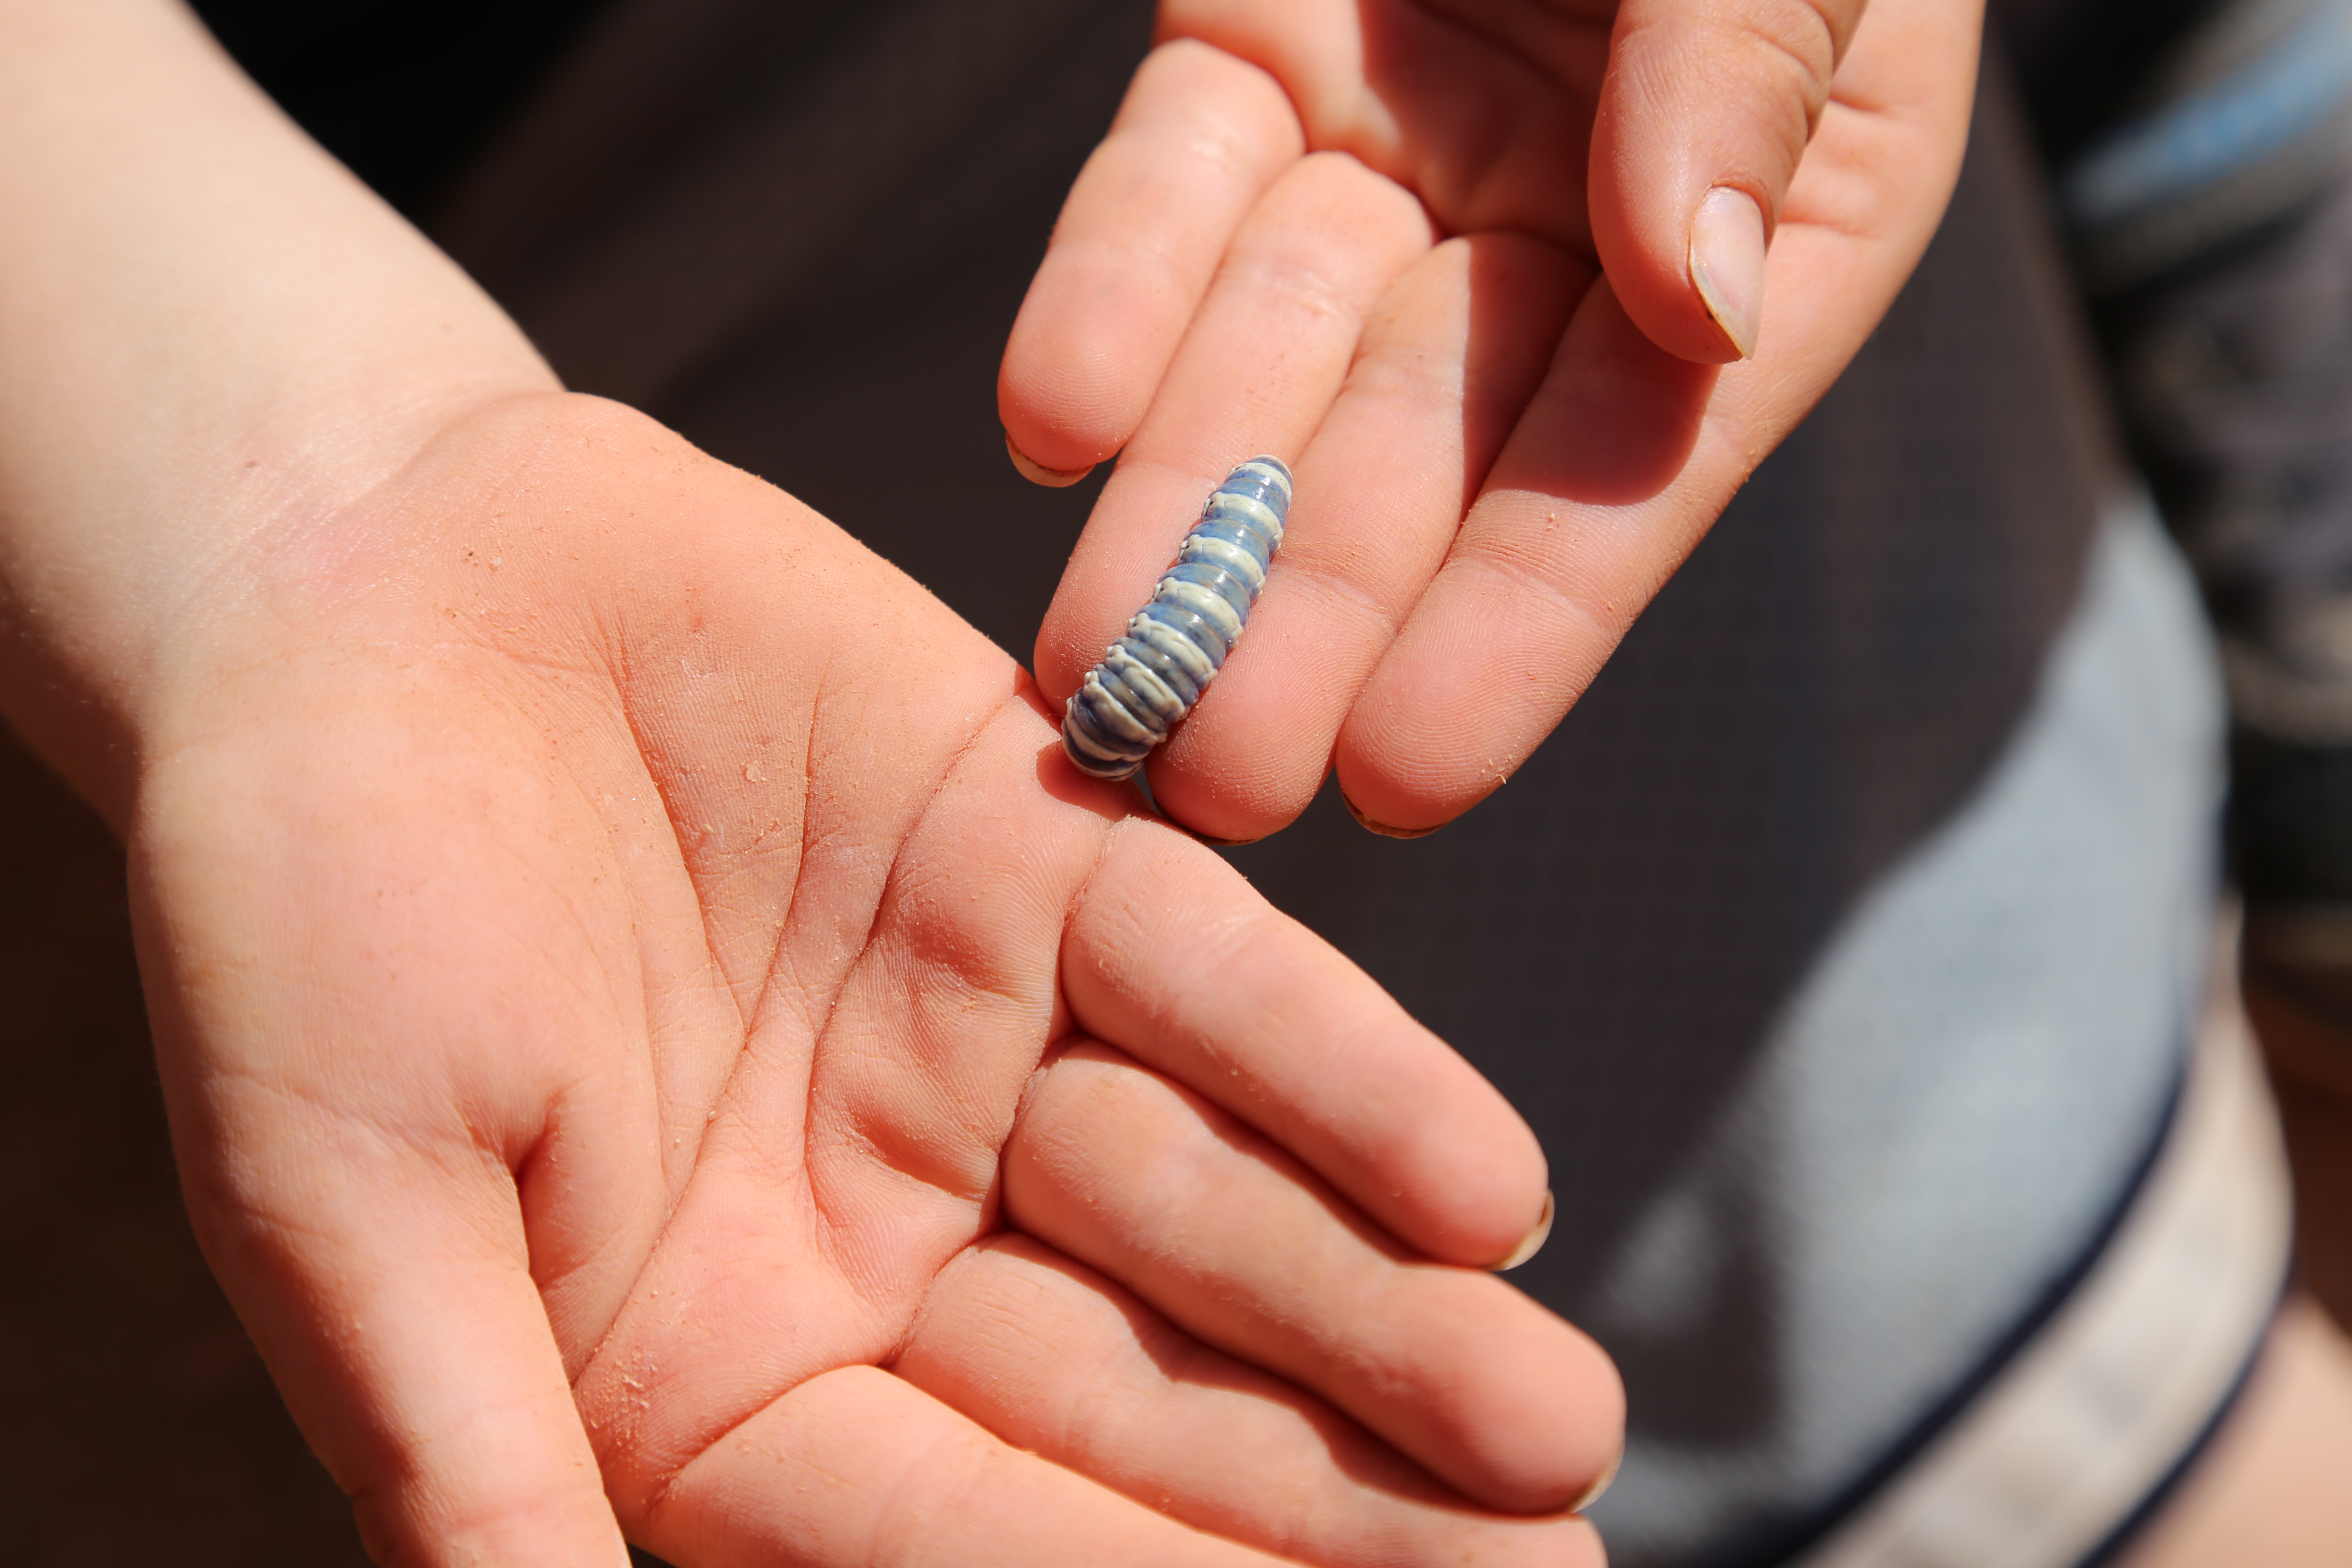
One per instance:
(657,1039)
(2271,1492)
(1438,256)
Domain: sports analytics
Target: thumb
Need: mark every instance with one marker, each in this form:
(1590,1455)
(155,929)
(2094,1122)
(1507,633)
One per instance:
(1705,114)
(392,1297)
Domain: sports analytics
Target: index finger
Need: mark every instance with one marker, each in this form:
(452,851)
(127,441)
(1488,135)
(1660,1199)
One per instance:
(1174,958)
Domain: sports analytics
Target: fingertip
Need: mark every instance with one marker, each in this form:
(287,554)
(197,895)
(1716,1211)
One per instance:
(1705,115)
(1427,742)
(1229,790)
(1481,1193)
(1600,1400)
(1076,378)
(1542,1416)
(1037,473)
(1371,824)
(1692,281)
(1405,775)
(1707,305)
(1727,265)
(1599,1488)
(1530,1420)
(1531,1243)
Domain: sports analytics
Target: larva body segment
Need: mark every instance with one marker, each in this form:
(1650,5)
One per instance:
(1152,676)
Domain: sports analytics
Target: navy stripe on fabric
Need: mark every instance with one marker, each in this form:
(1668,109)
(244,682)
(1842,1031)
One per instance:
(1772,1547)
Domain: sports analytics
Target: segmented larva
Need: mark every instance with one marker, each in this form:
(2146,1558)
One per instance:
(1151,677)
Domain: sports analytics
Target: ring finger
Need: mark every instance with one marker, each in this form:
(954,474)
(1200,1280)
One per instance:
(1225,1234)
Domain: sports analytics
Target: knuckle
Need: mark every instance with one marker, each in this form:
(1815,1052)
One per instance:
(1784,53)
(1801,41)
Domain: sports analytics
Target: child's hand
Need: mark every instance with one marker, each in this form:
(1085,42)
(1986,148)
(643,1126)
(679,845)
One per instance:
(647,1010)
(1507,441)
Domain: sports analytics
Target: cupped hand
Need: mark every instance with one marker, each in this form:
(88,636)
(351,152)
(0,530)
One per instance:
(1493,275)
(654,1029)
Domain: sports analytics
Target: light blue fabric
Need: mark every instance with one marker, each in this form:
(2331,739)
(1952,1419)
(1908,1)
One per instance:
(1942,1113)
(2288,92)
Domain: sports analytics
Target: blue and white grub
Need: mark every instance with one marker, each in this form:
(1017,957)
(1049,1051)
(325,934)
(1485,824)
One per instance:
(1151,677)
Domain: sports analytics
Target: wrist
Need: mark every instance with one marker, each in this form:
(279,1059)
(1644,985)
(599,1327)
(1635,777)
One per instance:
(214,343)
(109,638)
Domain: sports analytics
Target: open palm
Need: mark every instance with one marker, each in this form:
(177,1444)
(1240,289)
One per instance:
(647,1011)
(1444,255)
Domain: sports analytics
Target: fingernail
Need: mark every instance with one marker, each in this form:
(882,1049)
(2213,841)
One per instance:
(1382,828)
(1037,473)
(1727,263)
(1592,1493)
(1529,1245)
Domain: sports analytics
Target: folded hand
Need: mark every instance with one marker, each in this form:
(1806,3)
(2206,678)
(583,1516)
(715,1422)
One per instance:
(1471,266)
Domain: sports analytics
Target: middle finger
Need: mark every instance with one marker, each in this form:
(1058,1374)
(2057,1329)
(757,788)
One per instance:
(1258,368)
(1056,1360)
(1450,358)
(1228,1236)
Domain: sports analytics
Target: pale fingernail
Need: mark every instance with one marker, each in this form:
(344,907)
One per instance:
(1529,1245)
(1382,828)
(1592,1493)
(1727,263)
(1037,473)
